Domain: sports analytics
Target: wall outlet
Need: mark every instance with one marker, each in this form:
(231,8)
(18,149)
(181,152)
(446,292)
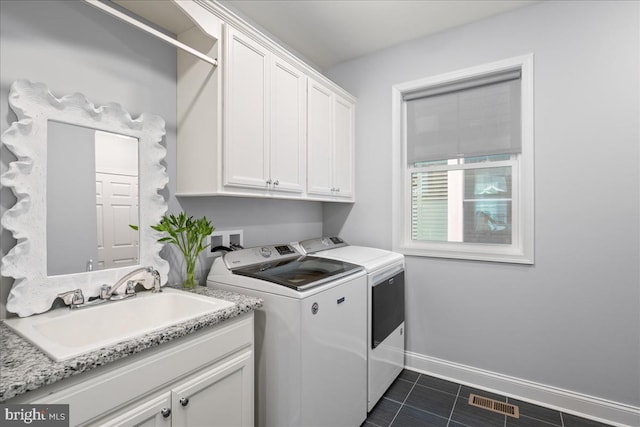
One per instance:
(224,238)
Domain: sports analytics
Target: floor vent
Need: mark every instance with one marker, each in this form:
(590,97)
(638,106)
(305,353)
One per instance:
(494,405)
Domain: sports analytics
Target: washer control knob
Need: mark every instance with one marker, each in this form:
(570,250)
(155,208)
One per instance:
(265,251)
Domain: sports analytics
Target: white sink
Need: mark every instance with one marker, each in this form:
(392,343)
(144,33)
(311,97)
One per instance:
(63,334)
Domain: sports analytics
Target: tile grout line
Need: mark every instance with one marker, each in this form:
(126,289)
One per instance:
(454,405)
(537,419)
(505,417)
(404,400)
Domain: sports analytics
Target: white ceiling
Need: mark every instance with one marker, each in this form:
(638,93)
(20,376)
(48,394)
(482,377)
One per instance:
(328,32)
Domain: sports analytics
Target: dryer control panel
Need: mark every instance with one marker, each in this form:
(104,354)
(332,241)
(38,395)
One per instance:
(318,244)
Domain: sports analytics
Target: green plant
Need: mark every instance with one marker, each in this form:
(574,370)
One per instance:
(188,235)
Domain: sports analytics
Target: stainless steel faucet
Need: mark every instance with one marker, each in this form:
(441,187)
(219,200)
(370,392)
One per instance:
(128,279)
(75,298)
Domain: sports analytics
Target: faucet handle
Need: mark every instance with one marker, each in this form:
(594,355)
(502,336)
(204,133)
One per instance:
(78,297)
(72,298)
(156,279)
(105,291)
(131,287)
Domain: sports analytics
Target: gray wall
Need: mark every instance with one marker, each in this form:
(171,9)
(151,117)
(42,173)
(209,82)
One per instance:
(73,47)
(572,320)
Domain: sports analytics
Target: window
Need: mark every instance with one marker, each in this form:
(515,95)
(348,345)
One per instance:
(463,164)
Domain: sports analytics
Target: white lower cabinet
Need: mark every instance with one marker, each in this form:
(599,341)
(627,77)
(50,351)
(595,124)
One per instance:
(220,395)
(154,412)
(203,379)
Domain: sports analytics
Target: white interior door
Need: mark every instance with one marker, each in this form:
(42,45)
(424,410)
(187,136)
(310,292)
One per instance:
(116,209)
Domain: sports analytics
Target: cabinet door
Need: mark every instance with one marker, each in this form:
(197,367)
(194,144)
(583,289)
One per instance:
(288,127)
(343,119)
(245,109)
(155,412)
(319,172)
(221,395)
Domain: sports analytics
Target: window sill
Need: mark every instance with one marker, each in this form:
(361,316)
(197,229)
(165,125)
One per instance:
(472,252)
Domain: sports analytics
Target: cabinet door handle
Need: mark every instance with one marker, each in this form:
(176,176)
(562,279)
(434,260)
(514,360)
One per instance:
(184,401)
(166,412)
(276,182)
(338,189)
(268,182)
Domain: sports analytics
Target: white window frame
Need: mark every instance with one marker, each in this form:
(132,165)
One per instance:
(521,250)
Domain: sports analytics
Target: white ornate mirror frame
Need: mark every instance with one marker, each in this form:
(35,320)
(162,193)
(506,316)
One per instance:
(33,291)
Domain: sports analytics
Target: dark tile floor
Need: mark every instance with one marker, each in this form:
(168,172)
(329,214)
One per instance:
(416,400)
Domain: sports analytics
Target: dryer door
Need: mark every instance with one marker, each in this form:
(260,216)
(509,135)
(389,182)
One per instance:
(387,308)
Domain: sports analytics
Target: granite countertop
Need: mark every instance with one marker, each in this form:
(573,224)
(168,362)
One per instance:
(24,367)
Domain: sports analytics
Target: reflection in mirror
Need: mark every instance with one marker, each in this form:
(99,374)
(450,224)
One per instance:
(92,197)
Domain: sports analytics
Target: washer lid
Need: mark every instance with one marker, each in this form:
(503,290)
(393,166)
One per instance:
(300,273)
(371,259)
(361,255)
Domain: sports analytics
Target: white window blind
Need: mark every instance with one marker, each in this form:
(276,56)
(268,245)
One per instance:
(429,206)
(468,118)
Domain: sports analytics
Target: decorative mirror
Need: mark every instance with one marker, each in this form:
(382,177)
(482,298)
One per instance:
(83,174)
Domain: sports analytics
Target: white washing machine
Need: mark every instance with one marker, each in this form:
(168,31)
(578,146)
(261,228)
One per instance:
(310,333)
(385,307)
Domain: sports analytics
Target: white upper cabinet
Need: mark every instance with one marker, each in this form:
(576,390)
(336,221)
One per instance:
(246,129)
(343,147)
(265,132)
(319,137)
(262,123)
(288,127)
(330,147)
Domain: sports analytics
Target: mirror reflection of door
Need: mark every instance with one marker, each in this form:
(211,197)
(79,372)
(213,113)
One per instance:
(116,200)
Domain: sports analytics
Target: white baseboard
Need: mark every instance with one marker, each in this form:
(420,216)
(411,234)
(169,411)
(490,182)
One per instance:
(582,405)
